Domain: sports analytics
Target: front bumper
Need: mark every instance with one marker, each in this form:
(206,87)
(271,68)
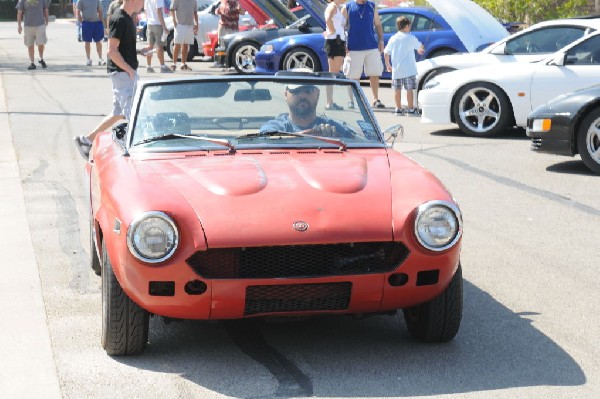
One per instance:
(418,277)
(435,105)
(267,63)
(558,140)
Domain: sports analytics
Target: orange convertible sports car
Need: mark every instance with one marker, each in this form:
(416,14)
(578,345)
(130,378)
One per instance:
(231,197)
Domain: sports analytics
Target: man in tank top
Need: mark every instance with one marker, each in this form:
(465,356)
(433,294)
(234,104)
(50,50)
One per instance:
(365,44)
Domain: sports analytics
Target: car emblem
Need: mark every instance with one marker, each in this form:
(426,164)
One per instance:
(300,226)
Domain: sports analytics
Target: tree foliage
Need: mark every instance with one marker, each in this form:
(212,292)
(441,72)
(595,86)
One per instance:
(532,11)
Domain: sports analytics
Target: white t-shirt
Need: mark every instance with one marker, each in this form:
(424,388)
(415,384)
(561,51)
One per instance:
(401,49)
(153,7)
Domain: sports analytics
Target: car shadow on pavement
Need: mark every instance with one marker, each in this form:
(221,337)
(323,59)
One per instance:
(513,133)
(571,167)
(344,357)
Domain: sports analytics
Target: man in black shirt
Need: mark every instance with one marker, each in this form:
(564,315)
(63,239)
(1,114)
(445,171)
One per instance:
(122,69)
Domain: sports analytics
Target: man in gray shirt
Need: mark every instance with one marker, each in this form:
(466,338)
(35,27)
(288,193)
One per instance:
(185,20)
(92,27)
(34,14)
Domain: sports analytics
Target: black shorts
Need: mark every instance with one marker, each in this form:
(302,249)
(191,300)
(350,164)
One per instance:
(335,48)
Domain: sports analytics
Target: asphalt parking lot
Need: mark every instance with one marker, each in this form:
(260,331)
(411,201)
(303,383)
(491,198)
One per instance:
(532,292)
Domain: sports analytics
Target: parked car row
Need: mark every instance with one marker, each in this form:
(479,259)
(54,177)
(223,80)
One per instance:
(431,27)
(508,75)
(240,49)
(486,100)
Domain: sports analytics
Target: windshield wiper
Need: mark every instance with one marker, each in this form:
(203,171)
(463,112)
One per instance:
(168,136)
(342,146)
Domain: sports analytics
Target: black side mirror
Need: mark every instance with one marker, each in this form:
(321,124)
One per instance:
(304,27)
(570,59)
(119,131)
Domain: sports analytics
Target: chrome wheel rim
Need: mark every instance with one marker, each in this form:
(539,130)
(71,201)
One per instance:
(592,141)
(479,109)
(300,59)
(244,58)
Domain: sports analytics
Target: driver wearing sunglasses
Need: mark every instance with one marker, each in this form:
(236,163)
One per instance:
(302,101)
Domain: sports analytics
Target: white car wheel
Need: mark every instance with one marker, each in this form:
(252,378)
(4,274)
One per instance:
(243,57)
(302,58)
(481,109)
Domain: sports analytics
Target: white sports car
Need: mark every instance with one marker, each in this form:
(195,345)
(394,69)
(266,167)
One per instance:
(486,100)
(532,44)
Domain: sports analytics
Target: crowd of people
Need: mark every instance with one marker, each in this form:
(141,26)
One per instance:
(353,43)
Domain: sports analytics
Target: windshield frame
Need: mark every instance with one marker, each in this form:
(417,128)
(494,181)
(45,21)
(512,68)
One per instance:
(365,114)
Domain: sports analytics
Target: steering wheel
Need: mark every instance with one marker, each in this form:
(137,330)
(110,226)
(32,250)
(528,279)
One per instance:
(532,48)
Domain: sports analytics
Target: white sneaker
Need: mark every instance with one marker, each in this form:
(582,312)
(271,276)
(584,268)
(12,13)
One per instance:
(88,62)
(101,62)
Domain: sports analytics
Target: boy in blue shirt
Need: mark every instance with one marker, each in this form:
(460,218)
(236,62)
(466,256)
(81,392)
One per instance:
(400,50)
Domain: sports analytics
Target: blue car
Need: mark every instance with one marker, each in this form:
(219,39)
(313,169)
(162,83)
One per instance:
(308,51)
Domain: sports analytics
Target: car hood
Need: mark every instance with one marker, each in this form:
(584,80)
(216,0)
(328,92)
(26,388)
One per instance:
(574,99)
(316,9)
(341,195)
(279,13)
(256,12)
(473,25)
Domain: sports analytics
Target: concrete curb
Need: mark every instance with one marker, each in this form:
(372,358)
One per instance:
(27,369)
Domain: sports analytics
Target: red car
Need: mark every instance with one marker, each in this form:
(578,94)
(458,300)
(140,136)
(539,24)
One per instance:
(231,197)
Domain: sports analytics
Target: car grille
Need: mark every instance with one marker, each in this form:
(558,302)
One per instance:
(262,299)
(298,260)
(536,143)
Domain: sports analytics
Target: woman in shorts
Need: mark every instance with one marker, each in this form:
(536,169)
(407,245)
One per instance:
(335,44)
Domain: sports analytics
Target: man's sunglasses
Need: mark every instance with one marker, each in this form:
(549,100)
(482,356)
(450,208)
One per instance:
(303,90)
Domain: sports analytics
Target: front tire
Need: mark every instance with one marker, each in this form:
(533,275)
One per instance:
(440,52)
(439,319)
(94,259)
(124,324)
(302,58)
(170,45)
(481,110)
(243,57)
(588,141)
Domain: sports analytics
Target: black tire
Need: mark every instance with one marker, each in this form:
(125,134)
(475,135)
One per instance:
(94,259)
(588,140)
(171,44)
(302,58)
(432,74)
(481,109)
(439,319)
(242,57)
(193,51)
(124,324)
(440,52)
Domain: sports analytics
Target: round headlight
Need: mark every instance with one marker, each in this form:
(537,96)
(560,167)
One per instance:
(438,225)
(152,237)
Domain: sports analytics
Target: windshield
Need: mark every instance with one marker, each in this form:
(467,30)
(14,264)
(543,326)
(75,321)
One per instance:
(242,114)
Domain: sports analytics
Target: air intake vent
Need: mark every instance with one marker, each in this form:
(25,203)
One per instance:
(536,143)
(262,299)
(298,260)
